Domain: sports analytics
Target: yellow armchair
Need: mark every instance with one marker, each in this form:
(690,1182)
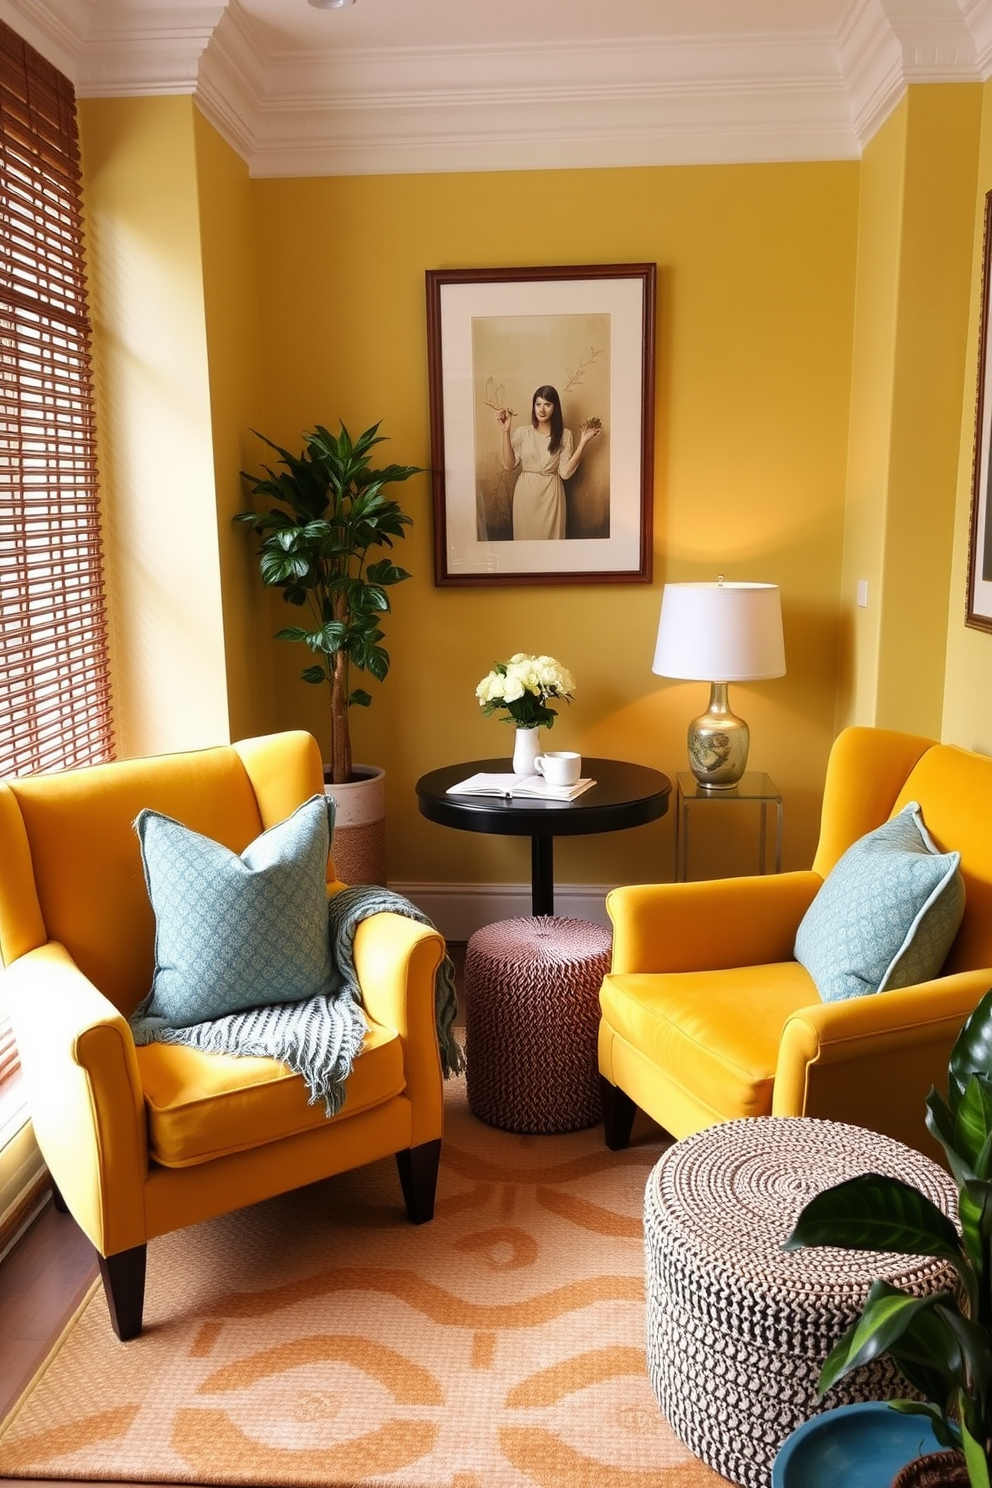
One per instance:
(707,1016)
(144,1140)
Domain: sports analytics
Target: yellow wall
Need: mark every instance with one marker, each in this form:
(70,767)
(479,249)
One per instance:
(911,340)
(967,717)
(756,281)
(156,451)
(872,379)
(235,363)
(814,403)
(933,281)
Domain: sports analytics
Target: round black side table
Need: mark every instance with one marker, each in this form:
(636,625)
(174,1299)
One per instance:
(625,795)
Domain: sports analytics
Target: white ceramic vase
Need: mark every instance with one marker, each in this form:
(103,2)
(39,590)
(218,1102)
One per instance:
(527,746)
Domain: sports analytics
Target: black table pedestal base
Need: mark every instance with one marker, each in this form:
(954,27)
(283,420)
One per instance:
(542,875)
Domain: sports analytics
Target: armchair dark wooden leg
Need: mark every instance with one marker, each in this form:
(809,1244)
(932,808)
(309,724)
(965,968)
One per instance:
(418,1179)
(124,1284)
(57,1198)
(618,1115)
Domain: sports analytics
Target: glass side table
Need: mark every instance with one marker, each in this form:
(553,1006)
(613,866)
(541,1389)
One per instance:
(753,788)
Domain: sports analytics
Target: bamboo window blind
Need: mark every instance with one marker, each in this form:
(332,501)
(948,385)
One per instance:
(54,663)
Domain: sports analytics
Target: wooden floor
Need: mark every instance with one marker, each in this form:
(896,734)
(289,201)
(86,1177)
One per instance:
(43,1279)
(42,1282)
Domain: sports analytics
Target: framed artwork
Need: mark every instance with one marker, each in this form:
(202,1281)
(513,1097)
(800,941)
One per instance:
(542,424)
(979,610)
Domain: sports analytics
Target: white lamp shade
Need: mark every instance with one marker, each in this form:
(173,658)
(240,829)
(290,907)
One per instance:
(720,632)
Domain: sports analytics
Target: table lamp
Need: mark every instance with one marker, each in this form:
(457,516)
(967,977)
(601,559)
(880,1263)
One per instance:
(719,633)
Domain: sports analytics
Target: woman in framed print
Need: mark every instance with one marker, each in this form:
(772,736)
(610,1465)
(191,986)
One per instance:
(587,333)
(546,454)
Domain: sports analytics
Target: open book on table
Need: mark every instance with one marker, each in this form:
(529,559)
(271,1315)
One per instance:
(517,785)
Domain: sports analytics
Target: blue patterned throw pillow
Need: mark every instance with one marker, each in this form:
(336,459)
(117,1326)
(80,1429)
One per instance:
(232,930)
(886,915)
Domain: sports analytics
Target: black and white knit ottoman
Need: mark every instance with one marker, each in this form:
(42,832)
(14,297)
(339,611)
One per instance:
(737,1328)
(532,1023)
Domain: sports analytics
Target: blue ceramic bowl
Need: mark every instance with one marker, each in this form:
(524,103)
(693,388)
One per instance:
(853,1446)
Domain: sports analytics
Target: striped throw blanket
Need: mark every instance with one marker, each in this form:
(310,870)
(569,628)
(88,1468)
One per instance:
(320,1037)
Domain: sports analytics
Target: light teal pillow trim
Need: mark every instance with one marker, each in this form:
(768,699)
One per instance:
(886,915)
(235,931)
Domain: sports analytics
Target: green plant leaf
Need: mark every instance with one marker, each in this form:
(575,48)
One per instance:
(973,1121)
(973,1341)
(276,568)
(908,1328)
(385,572)
(940,1124)
(975,1458)
(330,638)
(371,600)
(874,1212)
(373,658)
(975,1216)
(329,509)
(972,1051)
(944,1430)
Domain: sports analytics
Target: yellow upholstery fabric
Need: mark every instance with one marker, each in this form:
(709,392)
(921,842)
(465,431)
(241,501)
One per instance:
(707,1017)
(201,1106)
(142,1141)
(691,1023)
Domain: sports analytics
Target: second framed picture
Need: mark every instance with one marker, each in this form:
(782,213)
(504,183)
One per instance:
(542,423)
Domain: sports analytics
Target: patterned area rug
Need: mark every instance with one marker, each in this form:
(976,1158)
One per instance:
(320,1339)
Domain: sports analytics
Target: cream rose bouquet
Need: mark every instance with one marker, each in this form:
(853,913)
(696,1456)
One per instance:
(524,685)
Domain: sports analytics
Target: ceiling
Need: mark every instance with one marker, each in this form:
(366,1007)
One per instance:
(442,85)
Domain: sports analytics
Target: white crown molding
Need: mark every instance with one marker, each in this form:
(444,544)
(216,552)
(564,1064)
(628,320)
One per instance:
(47,25)
(122,50)
(142,49)
(458,108)
(886,46)
(231,83)
(871,61)
(551,133)
(978,18)
(687,98)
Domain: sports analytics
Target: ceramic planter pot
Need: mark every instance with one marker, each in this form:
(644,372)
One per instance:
(852,1445)
(936,1470)
(359,845)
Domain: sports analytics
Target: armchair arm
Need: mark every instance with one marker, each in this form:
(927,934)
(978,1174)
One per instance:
(872,1060)
(396,960)
(708,926)
(84,1094)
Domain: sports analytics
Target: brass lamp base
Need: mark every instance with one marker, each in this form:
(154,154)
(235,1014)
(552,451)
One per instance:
(718,743)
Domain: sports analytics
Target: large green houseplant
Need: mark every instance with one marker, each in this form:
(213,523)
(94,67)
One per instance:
(941,1343)
(331,512)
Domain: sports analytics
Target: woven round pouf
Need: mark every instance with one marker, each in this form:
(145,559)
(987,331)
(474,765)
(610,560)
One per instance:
(737,1328)
(532,1023)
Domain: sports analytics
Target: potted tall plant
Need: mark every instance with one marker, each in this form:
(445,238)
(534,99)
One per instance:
(941,1343)
(331,512)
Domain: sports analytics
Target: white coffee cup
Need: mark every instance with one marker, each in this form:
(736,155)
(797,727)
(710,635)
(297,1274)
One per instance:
(559,766)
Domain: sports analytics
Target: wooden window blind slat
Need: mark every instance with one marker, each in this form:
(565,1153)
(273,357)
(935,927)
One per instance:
(55,697)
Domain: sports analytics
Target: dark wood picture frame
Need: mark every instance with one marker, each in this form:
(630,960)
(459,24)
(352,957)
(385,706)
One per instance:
(493,337)
(979,604)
